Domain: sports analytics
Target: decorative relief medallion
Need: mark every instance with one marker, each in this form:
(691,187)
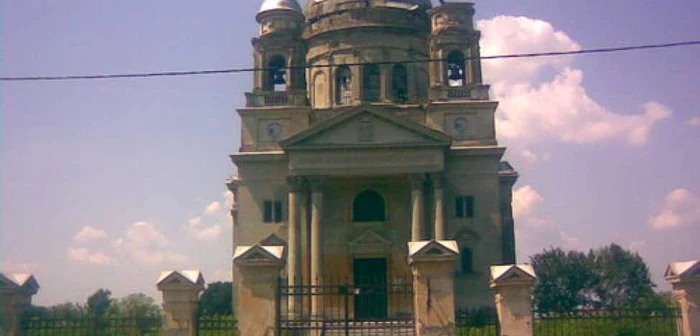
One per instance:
(460,128)
(274,130)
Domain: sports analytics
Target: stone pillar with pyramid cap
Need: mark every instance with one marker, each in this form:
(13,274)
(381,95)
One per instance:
(16,291)
(257,269)
(180,291)
(433,268)
(513,287)
(685,279)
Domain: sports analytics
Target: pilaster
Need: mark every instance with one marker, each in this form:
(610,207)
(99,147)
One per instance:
(685,280)
(513,286)
(180,290)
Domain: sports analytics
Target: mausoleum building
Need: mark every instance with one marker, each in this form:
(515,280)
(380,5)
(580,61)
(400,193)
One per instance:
(369,127)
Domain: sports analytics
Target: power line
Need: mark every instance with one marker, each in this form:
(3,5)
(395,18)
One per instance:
(237,70)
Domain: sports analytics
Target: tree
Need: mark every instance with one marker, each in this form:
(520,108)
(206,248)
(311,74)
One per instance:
(67,310)
(564,280)
(217,299)
(609,278)
(99,302)
(136,305)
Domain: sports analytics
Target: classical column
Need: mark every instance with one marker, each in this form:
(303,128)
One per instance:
(438,198)
(305,247)
(293,243)
(316,184)
(417,181)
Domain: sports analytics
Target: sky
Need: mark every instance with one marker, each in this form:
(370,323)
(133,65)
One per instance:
(106,183)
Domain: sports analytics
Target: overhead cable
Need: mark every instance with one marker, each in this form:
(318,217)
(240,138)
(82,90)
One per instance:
(238,70)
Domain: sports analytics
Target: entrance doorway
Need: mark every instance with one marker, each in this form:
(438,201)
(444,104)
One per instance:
(370,277)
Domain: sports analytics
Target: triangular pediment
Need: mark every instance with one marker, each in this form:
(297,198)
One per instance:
(189,278)
(504,273)
(433,250)
(683,269)
(258,255)
(370,238)
(24,282)
(366,127)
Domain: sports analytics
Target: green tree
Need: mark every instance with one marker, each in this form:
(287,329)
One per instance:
(135,305)
(99,302)
(67,310)
(217,299)
(609,277)
(565,280)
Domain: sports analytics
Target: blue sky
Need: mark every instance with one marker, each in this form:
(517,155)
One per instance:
(106,183)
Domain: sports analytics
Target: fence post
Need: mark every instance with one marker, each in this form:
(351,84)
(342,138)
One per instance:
(685,279)
(513,286)
(180,291)
(433,267)
(16,293)
(256,275)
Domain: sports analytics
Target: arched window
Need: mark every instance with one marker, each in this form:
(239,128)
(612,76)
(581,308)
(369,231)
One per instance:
(467,261)
(343,85)
(277,74)
(371,83)
(399,81)
(368,206)
(456,69)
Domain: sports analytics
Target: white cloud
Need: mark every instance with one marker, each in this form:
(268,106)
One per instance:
(569,241)
(213,208)
(693,121)
(83,255)
(196,230)
(88,233)
(532,109)
(10,266)
(680,208)
(145,243)
(525,200)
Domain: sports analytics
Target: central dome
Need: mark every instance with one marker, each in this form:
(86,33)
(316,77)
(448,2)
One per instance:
(315,8)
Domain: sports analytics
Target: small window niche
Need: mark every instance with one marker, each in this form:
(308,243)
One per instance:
(399,81)
(343,85)
(277,74)
(371,86)
(456,69)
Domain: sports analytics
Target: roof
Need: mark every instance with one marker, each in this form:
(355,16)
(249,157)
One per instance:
(194,276)
(283,5)
(499,273)
(683,269)
(25,281)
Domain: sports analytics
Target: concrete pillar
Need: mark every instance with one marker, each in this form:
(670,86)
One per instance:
(439,206)
(513,286)
(417,181)
(294,275)
(180,290)
(316,243)
(433,268)
(685,279)
(257,273)
(16,292)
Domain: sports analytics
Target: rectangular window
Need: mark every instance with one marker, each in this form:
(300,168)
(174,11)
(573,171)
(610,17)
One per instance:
(272,212)
(464,206)
(267,212)
(278,211)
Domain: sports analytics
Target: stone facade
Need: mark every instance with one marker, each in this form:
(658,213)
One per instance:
(350,149)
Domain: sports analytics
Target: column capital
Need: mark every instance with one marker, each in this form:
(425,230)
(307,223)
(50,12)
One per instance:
(296,183)
(417,181)
(232,184)
(316,182)
(438,180)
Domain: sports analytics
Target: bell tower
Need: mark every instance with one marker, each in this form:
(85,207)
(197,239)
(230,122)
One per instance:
(280,52)
(455,42)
